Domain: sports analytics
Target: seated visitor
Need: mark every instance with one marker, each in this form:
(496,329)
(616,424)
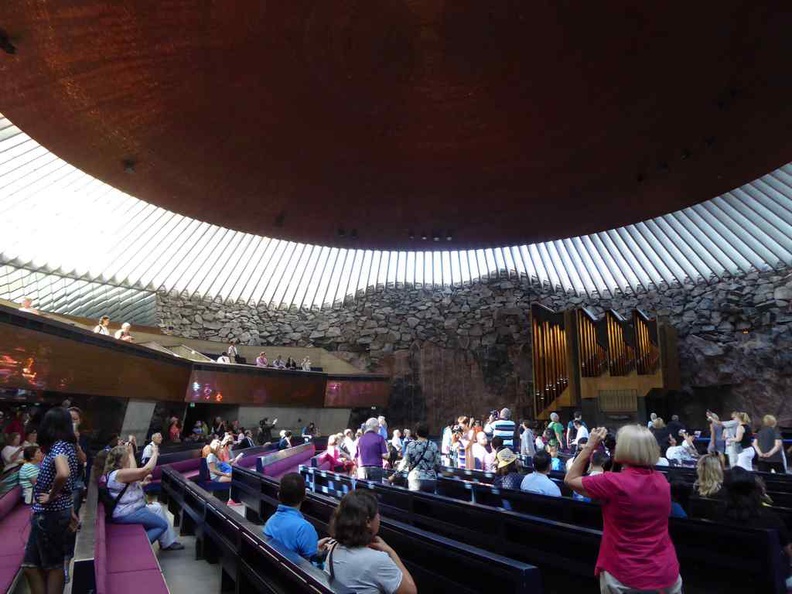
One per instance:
(709,477)
(285,440)
(537,481)
(31,438)
(636,552)
(483,454)
(407,437)
(287,525)
(370,452)
(596,466)
(124,333)
(279,363)
(348,444)
(680,494)
(29,471)
(744,507)
(339,460)
(198,430)
(245,439)
(661,433)
(291,363)
(125,482)
(506,470)
(261,360)
(309,431)
(555,462)
(174,430)
(306,364)
(101,327)
(12,452)
(219,470)
(148,451)
(224,358)
(685,452)
(358,560)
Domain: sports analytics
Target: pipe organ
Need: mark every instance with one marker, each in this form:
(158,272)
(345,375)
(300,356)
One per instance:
(551,374)
(578,356)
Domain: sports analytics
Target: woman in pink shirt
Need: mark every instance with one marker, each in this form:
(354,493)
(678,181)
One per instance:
(636,552)
(483,454)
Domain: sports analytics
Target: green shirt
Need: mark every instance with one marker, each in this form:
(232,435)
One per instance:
(556,428)
(27,472)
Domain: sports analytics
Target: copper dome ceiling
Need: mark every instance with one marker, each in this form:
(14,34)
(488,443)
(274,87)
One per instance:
(358,123)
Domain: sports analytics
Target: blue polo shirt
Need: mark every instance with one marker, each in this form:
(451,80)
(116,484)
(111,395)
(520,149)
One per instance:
(288,527)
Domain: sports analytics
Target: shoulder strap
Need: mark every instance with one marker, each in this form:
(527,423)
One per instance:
(121,494)
(423,455)
(330,563)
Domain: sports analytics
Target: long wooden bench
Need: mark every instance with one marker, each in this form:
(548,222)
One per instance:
(249,562)
(706,550)
(434,561)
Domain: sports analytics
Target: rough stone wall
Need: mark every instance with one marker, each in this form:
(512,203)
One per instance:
(468,349)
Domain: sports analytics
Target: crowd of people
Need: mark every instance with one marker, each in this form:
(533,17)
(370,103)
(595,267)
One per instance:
(231,356)
(124,333)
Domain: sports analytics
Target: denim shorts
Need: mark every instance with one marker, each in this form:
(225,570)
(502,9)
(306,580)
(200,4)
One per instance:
(50,540)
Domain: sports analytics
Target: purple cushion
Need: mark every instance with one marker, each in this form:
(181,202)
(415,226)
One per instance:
(281,467)
(149,581)
(180,466)
(131,553)
(10,500)
(247,462)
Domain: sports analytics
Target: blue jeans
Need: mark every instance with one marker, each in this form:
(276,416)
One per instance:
(154,525)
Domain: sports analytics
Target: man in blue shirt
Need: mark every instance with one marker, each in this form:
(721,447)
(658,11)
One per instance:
(538,482)
(287,525)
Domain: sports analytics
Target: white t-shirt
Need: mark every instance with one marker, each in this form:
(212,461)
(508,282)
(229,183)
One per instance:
(9,458)
(133,498)
(223,359)
(581,432)
(99,329)
(148,452)
(363,570)
(678,453)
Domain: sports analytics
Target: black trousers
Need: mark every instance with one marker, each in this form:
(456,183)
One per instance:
(763,466)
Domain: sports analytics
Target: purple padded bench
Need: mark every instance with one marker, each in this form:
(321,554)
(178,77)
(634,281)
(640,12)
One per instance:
(124,561)
(320,462)
(190,468)
(276,465)
(14,530)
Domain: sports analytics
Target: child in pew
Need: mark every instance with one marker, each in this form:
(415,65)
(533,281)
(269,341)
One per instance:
(30,471)
(288,527)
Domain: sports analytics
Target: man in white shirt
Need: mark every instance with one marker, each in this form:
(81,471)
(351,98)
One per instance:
(223,359)
(232,353)
(684,452)
(148,451)
(538,482)
(581,432)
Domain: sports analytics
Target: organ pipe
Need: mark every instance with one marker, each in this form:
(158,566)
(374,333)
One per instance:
(551,376)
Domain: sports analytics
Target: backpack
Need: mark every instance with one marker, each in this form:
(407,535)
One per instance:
(109,501)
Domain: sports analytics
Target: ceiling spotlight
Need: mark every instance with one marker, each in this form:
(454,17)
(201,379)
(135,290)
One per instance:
(5,43)
(353,234)
(411,234)
(449,236)
(341,232)
(129,166)
(435,236)
(424,236)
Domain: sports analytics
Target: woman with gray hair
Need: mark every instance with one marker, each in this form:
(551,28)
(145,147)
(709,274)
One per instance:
(636,553)
(556,431)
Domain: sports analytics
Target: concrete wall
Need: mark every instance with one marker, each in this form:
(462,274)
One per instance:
(137,420)
(327,420)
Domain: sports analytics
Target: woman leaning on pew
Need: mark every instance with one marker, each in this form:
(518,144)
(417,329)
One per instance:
(636,553)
